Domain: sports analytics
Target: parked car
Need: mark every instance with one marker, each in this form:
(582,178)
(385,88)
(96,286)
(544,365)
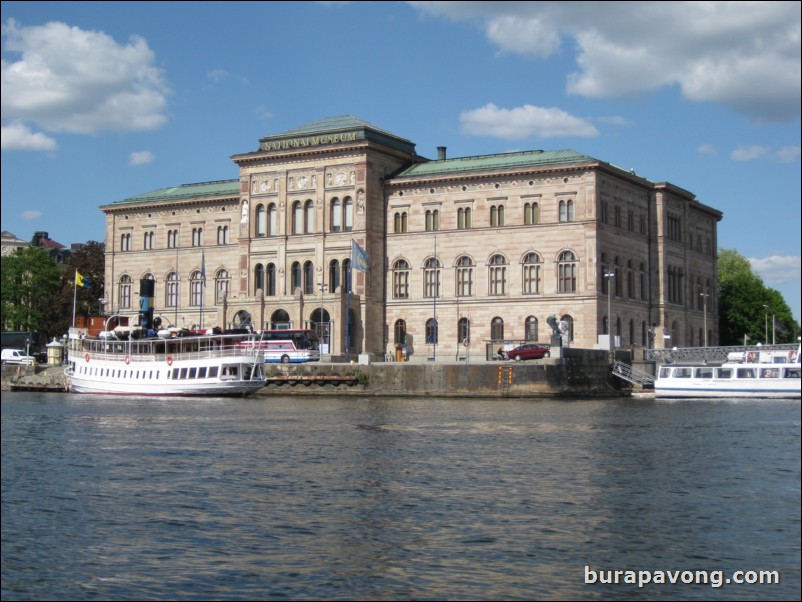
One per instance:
(18,357)
(529,351)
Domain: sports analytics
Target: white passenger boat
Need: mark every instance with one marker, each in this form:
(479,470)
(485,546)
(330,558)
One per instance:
(750,374)
(174,363)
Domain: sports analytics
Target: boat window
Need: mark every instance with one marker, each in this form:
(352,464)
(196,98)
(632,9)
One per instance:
(746,373)
(665,372)
(202,372)
(183,373)
(682,372)
(193,372)
(723,372)
(213,371)
(704,373)
(769,373)
(792,373)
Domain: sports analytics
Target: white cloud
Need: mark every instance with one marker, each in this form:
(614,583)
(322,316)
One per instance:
(749,153)
(31,214)
(141,158)
(523,122)
(66,79)
(777,269)
(787,154)
(744,55)
(18,136)
(706,149)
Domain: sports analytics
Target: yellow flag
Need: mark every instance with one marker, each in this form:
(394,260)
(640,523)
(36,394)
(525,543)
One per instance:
(80,280)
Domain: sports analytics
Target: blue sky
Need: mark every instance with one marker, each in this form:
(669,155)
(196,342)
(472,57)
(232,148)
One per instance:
(102,101)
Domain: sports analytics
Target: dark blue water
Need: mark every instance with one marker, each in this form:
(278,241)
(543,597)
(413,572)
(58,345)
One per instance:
(388,499)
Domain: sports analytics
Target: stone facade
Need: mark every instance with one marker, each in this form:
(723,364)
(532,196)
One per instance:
(488,248)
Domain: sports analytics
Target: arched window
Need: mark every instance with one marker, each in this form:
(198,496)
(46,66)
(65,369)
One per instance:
(296,277)
(258,278)
(309,210)
(171,290)
(197,237)
(530,328)
(431,277)
(222,282)
(336,215)
(348,213)
(400,279)
(566,211)
(497,215)
(566,272)
(125,242)
(400,332)
(309,278)
(497,329)
(630,280)
(531,214)
(272,220)
(570,321)
(297,218)
(497,276)
(125,291)
(347,275)
(532,274)
(431,332)
(432,220)
(463,331)
(196,289)
(464,277)
(222,235)
(334,276)
(400,222)
(172,239)
(270,280)
(464,218)
(261,220)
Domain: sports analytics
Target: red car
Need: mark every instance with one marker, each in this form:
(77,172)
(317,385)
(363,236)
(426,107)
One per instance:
(530,351)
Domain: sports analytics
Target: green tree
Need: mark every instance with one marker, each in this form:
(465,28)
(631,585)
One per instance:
(89,261)
(747,306)
(29,279)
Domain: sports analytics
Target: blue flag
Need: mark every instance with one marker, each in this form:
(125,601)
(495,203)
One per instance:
(359,258)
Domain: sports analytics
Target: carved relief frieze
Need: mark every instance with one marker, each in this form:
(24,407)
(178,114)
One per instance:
(302,180)
(337,177)
(264,184)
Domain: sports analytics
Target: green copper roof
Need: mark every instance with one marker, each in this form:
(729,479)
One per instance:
(186,191)
(494,162)
(344,128)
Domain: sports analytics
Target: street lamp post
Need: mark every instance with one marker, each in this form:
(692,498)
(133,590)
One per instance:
(704,305)
(609,276)
(766,312)
(323,288)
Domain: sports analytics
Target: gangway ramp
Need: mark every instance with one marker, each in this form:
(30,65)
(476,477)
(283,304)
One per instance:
(633,375)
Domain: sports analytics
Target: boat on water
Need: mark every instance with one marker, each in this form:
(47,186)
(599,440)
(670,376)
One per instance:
(749,374)
(173,362)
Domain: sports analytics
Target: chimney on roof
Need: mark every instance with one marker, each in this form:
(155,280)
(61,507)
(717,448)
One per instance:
(441,153)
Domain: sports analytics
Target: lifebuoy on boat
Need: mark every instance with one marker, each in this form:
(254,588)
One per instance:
(792,356)
(86,357)
(750,357)
(127,359)
(169,360)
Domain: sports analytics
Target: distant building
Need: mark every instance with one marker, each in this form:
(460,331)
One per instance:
(462,252)
(11,244)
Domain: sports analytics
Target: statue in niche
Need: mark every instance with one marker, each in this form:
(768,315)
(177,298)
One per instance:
(360,201)
(244,219)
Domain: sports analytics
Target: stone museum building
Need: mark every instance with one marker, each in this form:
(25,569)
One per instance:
(463,254)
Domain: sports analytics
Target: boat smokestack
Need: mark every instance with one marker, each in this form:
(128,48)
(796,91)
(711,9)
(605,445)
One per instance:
(441,153)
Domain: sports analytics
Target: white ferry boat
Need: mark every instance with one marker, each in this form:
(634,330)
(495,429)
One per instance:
(173,363)
(751,374)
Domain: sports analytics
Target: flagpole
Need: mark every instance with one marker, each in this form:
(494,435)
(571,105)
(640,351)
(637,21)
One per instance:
(74,296)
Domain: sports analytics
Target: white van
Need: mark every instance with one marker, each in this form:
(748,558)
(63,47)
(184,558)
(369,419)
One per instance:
(17,356)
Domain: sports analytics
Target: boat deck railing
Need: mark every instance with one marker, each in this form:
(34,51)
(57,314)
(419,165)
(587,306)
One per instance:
(708,355)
